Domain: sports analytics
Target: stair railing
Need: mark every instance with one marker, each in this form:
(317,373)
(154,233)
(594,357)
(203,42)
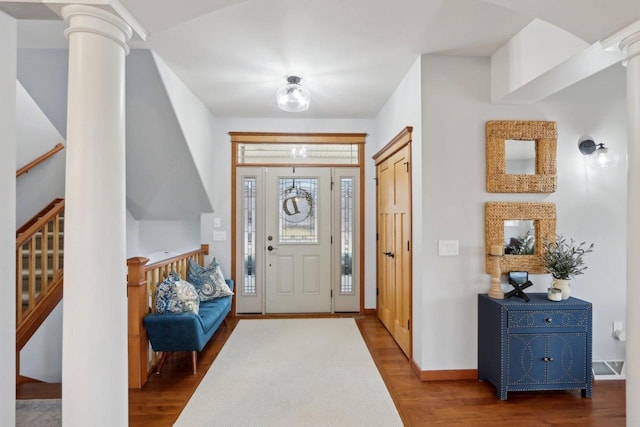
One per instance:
(39,264)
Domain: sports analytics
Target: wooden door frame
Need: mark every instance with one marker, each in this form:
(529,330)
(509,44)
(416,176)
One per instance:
(296,139)
(401,140)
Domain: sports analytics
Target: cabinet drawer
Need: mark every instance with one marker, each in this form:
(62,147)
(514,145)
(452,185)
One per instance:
(548,319)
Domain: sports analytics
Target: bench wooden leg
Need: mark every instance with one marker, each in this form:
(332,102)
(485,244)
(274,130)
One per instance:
(161,362)
(194,360)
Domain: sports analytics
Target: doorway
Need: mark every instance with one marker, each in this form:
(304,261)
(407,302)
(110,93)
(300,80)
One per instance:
(394,238)
(296,232)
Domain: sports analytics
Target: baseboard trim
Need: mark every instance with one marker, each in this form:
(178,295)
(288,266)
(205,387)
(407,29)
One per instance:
(369,311)
(444,375)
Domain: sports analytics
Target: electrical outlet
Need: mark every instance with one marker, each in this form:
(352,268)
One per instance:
(618,326)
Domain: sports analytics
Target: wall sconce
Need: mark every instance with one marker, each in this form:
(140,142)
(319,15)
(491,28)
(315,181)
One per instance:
(599,155)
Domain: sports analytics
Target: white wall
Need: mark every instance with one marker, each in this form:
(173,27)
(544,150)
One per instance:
(43,73)
(35,136)
(536,49)
(171,236)
(8,216)
(402,109)
(196,123)
(133,236)
(592,204)
(41,357)
(456,106)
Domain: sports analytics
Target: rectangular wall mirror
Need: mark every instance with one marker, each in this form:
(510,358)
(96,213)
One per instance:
(521,156)
(521,228)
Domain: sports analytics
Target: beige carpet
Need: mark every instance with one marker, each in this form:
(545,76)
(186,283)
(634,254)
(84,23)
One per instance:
(292,372)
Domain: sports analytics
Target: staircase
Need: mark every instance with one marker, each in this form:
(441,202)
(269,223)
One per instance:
(39,264)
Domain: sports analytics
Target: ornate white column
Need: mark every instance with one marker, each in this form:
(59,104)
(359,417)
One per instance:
(94,362)
(631,48)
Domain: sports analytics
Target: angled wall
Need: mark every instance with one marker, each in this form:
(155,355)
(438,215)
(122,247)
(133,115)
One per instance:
(163,182)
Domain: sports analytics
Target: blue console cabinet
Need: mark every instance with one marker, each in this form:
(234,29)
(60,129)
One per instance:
(535,345)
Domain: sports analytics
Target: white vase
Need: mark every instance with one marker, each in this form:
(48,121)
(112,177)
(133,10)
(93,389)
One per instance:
(564,285)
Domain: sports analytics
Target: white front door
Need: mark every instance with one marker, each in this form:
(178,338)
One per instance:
(297,240)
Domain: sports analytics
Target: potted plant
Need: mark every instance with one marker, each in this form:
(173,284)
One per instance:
(564,260)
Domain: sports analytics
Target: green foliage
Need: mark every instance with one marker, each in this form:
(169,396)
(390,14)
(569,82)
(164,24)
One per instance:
(522,245)
(563,259)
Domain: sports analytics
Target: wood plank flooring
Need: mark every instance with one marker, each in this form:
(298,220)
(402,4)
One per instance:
(450,403)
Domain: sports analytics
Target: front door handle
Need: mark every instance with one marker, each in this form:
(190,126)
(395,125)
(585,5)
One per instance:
(270,248)
(389,254)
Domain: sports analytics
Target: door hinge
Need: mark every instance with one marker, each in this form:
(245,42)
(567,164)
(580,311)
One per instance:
(332,240)
(409,324)
(377,293)
(407,165)
(376,180)
(377,237)
(408,245)
(331,183)
(331,293)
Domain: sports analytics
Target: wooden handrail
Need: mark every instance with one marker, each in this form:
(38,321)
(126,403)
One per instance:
(142,280)
(37,216)
(36,223)
(26,168)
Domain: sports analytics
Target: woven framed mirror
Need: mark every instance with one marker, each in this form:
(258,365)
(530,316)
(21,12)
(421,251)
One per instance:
(512,145)
(521,228)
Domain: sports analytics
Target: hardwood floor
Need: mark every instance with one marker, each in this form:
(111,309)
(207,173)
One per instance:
(450,403)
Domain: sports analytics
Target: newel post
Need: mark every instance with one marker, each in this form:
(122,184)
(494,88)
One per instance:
(138,307)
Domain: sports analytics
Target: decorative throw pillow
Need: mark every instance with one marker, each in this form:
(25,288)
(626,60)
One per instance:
(175,295)
(209,281)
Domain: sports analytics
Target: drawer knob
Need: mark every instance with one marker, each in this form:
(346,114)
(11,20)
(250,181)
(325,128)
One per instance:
(548,320)
(548,359)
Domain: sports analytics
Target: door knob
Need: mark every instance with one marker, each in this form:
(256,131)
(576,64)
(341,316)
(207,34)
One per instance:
(270,248)
(389,254)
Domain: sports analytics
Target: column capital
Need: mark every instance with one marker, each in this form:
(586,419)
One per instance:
(630,46)
(89,19)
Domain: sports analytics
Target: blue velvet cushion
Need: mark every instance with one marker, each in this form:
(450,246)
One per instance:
(174,295)
(208,281)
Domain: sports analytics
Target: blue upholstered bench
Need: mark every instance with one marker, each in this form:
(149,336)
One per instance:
(170,332)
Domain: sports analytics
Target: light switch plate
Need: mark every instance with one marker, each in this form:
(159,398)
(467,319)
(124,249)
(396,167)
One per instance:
(448,248)
(216,222)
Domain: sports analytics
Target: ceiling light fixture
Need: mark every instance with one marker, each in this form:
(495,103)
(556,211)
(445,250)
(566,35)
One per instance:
(293,97)
(599,155)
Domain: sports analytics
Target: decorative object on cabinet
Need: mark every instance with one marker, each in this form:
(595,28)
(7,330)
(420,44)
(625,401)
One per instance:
(520,281)
(495,254)
(539,345)
(564,260)
(541,177)
(541,215)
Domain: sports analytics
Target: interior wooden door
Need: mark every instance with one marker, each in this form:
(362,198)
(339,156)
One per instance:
(394,256)
(386,267)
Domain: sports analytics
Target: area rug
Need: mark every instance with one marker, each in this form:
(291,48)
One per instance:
(292,372)
(39,413)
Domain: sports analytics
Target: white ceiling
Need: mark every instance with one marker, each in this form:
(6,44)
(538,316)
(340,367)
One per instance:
(234,54)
